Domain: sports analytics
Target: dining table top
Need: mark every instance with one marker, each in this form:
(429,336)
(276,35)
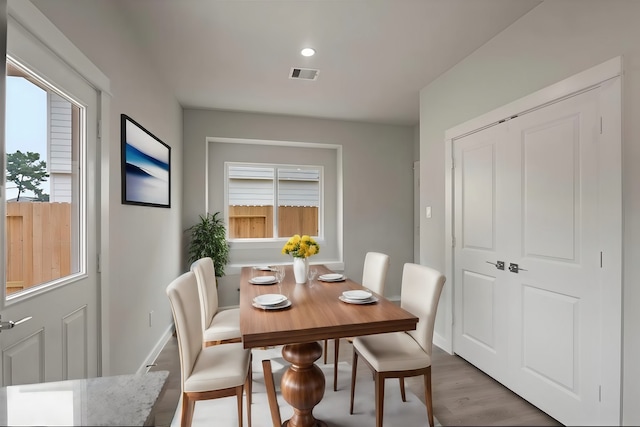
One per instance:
(316,312)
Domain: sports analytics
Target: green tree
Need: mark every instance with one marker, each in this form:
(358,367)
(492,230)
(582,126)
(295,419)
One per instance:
(27,171)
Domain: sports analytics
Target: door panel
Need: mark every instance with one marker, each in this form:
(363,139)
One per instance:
(559,291)
(478,197)
(478,294)
(550,322)
(74,336)
(479,328)
(23,361)
(526,194)
(61,339)
(550,196)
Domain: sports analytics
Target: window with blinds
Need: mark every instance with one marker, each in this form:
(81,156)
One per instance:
(271,201)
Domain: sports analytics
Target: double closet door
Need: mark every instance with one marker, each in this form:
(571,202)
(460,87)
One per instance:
(527,258)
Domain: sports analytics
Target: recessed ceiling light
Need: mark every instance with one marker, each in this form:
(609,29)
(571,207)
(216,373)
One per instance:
(307,51)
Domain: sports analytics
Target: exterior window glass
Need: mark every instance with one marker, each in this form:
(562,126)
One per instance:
(253,191)
(42,169)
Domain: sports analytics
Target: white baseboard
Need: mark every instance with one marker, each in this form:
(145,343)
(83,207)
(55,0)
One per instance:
(442,342)
(153,355)
(395,298)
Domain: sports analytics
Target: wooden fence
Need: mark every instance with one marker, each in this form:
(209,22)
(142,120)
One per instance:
(257,221)
(38,243)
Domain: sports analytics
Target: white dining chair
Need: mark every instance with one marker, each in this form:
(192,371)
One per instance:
(205,372)
(218,326)
(374,277)
(404,354)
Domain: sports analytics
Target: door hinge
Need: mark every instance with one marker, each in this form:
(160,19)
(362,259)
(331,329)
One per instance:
(600,259)
(600,125)
(99,266)
(99,128)
(599,393)
(453,241)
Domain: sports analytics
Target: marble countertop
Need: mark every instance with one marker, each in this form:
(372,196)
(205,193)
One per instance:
(123,400)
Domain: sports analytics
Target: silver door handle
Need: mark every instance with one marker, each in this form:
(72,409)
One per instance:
(499,264)
(514,268)
(10,323)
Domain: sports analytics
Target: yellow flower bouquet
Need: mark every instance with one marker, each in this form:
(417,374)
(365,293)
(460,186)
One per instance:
(301,247)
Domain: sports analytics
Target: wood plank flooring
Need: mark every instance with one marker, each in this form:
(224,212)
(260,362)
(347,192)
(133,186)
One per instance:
(462,394)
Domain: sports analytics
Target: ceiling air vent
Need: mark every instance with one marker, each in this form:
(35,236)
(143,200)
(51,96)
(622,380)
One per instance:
(304,74)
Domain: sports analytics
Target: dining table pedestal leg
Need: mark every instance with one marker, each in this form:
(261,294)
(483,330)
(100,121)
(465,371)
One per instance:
(303,383)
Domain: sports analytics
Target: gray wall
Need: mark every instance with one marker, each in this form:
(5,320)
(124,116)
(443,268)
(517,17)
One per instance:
(378,180)
(554,41)
(144,251)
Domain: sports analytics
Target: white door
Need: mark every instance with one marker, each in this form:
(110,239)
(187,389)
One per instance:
(526,194)
(60,341)
(480,333)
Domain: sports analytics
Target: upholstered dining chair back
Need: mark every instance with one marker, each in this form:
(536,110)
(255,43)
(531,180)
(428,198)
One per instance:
(374,273)
(206,372)
(185,305)
(374,277)
(421,289)
(205,274)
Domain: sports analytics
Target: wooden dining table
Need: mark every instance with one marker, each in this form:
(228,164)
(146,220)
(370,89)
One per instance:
(316,313)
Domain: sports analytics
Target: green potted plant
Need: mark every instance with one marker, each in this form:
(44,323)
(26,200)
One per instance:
(209,239)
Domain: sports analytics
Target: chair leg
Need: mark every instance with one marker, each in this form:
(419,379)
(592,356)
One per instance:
(249,390)
(427,395)
(325,352)
(271,393)
(187,410)
(336,343)
(402,392)
(354,368)
(379,399)
(239,393)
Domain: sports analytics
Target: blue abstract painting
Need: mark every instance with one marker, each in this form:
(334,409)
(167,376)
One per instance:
(146,167)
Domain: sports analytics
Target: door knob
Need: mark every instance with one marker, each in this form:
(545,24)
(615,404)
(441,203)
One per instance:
(10,324)
(499,264)
(514,268)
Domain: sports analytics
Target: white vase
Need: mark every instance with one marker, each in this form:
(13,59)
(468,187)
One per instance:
(300,269)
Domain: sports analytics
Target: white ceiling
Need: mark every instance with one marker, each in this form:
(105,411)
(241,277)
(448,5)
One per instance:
(374,56)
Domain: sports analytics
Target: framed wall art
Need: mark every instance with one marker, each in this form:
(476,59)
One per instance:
(146,166)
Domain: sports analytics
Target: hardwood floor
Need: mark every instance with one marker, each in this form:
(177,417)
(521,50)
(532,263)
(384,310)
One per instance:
(462,394)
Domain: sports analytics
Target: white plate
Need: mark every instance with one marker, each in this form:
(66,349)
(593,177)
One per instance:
(263,268)
(357,294)
(332,277)
(369,300)
(280,306)
(263,280)
(269,299)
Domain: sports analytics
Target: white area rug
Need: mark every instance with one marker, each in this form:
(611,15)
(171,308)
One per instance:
(333,409)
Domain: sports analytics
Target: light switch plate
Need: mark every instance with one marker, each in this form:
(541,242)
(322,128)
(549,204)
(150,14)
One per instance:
(428,211)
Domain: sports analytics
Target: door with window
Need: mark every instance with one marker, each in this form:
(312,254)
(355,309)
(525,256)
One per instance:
(50,299)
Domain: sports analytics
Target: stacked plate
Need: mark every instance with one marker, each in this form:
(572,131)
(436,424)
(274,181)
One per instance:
(271,302)
(332,277)
(263,280)
(357,297)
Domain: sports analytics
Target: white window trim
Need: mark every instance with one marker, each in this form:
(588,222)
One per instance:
(276,167)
